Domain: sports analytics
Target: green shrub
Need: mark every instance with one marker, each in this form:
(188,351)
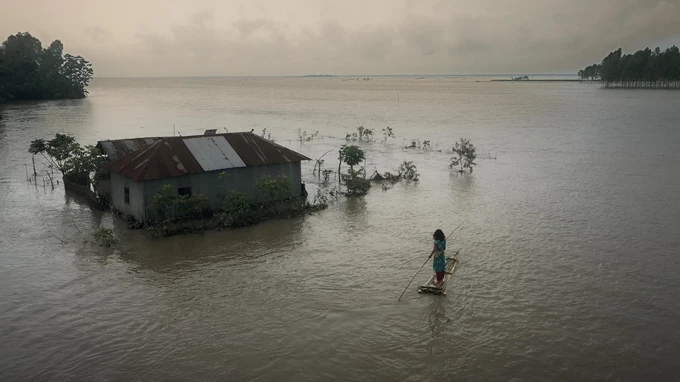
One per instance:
(236,210)
(356,184)
(105,237)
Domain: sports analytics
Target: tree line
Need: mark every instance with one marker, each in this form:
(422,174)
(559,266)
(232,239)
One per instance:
(644,69)
(30,72)
(591,72)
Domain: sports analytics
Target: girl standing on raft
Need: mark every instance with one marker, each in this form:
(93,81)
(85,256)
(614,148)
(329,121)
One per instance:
(439,262)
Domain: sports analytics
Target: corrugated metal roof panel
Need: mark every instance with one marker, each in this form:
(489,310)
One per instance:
(175,156)
(130,145)
(255,150)
(213,153)
(118,148)
(164,159)
(109,150)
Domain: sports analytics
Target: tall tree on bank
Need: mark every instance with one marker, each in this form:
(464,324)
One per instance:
(645,68)
(29,72)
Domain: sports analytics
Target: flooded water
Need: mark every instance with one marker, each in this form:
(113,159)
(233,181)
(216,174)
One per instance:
(568,255)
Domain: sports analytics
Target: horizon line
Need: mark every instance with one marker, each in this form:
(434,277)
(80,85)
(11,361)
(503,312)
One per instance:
(344,75)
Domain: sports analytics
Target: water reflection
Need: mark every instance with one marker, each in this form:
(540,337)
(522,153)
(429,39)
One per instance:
(437,318)
(355,212)
(183,253)
(207,297)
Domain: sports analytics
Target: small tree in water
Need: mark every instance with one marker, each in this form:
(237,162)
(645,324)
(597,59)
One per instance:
(355,182)
(463,155)
(387,133)
(56,151)
(351,155)
(408,171)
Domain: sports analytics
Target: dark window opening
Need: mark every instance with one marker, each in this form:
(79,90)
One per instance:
(127,195)
(184,191)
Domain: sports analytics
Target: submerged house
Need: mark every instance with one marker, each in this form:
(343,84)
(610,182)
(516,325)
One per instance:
(113,150)
(193,164)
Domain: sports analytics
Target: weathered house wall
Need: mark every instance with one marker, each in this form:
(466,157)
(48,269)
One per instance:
(137,200)
(242,179)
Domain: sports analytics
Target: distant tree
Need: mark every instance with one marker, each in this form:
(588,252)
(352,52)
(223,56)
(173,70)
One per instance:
(77,73)
(610,67)
(590,72)
(644,68)
(27,71)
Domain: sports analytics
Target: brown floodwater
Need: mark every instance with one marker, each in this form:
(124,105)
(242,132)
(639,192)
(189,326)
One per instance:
(568,257)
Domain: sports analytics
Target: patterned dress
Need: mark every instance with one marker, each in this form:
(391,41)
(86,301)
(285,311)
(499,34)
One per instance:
(439,262)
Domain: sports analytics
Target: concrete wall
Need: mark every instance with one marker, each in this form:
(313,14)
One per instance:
(136,207)
(206,183)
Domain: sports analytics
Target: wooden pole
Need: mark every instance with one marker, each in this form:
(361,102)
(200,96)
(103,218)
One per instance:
(421,267)
(63,242)
(26,168)
(74,224)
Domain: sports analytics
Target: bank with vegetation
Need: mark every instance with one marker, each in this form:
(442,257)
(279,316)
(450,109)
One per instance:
(30,72)
(644,69)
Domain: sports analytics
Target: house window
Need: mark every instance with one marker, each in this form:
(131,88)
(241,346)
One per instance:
(184,191)
(127,195)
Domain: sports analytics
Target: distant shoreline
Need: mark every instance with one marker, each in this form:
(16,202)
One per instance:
(542,80)
(331,75)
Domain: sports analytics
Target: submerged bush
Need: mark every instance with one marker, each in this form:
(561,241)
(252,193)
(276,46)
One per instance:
(356,184)
(464,155)
(105,237)
(273,188)
(362,134)
(236,210)
(409,171)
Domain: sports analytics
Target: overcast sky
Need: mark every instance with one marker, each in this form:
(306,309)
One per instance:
(294,37)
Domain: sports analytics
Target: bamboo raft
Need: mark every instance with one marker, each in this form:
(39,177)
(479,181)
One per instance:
(451,263)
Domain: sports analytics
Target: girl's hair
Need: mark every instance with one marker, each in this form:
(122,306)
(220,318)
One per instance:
(439,235)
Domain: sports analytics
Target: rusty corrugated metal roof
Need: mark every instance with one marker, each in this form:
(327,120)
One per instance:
(255,150)
(175,156)
(117,148)
(163,159)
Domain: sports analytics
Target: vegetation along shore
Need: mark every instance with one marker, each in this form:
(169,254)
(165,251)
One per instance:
(30,72)
(645,69)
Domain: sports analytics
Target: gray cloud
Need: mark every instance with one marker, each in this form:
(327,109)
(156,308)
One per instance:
(98,33)
(397,36)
